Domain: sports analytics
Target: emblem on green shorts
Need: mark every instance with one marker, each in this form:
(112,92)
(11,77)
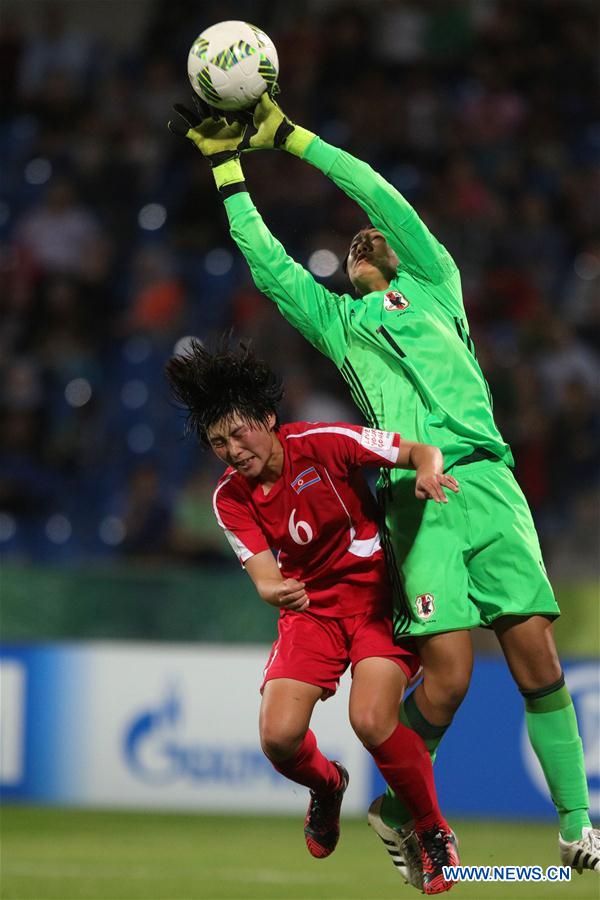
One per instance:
(425,605)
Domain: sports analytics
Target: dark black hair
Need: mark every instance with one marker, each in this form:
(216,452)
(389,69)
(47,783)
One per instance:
(220,385)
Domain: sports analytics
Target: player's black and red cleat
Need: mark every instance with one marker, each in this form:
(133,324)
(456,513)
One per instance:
(439,848)
(322,823)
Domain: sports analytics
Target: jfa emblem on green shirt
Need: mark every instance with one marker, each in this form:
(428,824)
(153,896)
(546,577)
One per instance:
(425,605)
(395,300)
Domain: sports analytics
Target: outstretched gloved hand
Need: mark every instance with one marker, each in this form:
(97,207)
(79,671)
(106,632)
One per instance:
(222,136)
(271,128)
(220,141)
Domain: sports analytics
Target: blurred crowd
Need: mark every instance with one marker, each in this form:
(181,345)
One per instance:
(485,114)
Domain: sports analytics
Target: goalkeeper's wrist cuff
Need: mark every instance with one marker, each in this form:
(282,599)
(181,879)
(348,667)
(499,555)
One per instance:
(227,174)
(298,141)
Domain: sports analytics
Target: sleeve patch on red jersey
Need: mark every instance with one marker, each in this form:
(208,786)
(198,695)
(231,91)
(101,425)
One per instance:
(373,439)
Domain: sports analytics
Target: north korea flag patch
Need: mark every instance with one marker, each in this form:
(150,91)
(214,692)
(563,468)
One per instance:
(305,479)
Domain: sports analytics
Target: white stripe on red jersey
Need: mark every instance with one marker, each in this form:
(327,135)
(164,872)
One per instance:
(238,547)
(365,548)
(381,442)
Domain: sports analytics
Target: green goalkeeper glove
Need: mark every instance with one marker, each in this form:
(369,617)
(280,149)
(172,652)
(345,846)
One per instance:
(272,128)
(219,141)
(222,138)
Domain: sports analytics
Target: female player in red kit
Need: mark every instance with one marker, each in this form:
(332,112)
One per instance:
(297,490)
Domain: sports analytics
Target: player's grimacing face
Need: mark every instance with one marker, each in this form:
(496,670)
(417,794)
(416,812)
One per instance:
(371,262)
(245,445)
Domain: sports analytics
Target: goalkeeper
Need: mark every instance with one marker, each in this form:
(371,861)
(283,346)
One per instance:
(403,346)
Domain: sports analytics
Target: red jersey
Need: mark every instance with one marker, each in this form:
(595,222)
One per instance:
(319,517)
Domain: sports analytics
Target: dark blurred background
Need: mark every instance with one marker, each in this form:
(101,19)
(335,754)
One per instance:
(114,250)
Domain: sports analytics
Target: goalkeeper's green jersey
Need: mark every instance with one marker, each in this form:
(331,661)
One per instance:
(405,352)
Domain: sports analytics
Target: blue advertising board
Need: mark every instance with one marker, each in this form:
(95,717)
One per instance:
(43,692)
(485,765)
(113,725)
(154,725)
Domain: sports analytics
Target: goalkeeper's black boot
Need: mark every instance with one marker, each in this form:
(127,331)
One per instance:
(322,823)
(439,848)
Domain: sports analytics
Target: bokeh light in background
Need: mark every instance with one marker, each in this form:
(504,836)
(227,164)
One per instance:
(323,263)
(152,216)
(218,261)
(38,171)
(78,392)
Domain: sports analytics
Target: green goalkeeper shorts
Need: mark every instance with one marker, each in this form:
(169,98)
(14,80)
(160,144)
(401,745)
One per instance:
(465,563)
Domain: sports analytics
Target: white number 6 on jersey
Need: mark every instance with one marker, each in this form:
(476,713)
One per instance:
(297,527)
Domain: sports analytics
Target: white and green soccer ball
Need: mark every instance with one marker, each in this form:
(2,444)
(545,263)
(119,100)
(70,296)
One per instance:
(231,64)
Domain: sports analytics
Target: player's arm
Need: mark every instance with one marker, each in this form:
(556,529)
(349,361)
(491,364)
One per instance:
(317,313)
(352,446)
(418,250)
(428,462)
(250,545)
(283,593)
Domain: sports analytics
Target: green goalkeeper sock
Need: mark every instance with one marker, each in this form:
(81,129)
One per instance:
(554,736)
(393,811)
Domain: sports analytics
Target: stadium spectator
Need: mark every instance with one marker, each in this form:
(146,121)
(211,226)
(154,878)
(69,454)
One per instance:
(146,515)
(61,234)
(195,533)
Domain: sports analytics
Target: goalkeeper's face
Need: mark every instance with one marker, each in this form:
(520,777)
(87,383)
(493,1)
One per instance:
(371,263)
(249,446)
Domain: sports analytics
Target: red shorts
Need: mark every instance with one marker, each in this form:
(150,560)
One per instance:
(319,649)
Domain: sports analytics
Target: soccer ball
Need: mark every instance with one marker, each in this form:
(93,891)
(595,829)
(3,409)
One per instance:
(231,64)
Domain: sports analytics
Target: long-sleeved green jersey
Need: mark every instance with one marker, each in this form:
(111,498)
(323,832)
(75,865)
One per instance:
(406,352)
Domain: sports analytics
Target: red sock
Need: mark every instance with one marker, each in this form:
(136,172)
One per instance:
(405,764)
(310,768)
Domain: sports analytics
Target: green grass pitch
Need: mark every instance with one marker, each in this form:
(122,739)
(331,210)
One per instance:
(49,854)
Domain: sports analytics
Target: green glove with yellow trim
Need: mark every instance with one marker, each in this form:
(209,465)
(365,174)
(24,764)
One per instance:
(220,141)
(222,137)
(271,128)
